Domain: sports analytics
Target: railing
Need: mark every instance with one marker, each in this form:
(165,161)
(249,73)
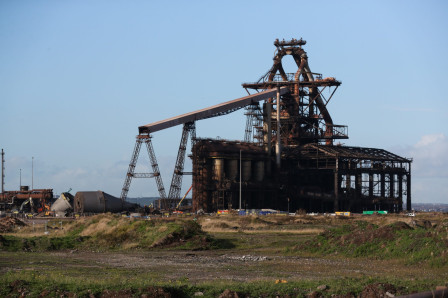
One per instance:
(340,131)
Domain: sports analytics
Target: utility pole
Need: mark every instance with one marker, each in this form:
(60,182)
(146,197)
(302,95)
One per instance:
(32,173)
(240,179)
(3,171)
(20,179)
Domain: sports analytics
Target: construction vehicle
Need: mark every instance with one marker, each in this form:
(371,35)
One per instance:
(180,202)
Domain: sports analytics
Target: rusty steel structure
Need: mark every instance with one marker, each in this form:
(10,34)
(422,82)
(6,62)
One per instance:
(188,121)
(37,199)
(289,158)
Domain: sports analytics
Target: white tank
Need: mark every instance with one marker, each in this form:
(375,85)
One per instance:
(62,204)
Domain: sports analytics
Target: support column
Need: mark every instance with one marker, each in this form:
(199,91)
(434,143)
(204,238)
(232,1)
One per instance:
(392,185)
(278,146)
(267,127)
(370,185)
(3,171)
(336,187)
(400,191)
(348,182)
(383,185)
(408,190)
(358,185)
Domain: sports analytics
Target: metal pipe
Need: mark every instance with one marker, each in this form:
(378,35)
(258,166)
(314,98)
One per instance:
(278,145)
(240,179)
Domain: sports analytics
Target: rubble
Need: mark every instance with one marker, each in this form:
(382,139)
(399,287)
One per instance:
(8,224)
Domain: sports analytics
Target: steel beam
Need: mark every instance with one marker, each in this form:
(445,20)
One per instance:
(131,168)
(211,111)
(155,168)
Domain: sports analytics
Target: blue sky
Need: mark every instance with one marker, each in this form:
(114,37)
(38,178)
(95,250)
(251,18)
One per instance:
(77,78)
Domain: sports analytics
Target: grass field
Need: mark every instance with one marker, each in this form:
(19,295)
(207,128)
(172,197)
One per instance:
(269,256)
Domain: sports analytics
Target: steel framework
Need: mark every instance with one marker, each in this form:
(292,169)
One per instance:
(176,182)
(188,120)
(143,138)
(310,172)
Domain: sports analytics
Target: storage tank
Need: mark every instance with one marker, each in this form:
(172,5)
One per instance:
(63,203)
(232,169)
(99,202)
(246,169)
(218,168)
(259,170)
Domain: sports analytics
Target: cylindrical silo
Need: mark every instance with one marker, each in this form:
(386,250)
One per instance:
(231,169)
(63,203)
(218,169)
(259,170)
(99,202)
(246,169)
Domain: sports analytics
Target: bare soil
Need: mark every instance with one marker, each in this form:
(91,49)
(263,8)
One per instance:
(211,265)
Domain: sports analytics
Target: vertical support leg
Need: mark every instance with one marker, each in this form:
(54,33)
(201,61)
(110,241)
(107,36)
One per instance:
(336,187)
(392,185)
(370,185)
(176,182)
(267,131)
(155,167)
(358,185)
(130,173)
(400,193)
(408,190)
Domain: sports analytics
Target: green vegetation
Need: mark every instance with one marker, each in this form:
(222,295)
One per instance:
(394,241)
(110,255)
(135,283)
(113,232)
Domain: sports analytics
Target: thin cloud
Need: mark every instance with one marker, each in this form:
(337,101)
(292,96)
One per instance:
(430,156)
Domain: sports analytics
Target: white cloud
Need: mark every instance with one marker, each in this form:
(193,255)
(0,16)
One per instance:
(429,168)
(430,156)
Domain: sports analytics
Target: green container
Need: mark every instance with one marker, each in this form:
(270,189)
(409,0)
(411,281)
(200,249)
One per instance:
(375,212)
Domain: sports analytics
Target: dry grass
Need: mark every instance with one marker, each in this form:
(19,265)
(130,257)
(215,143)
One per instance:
(103,226)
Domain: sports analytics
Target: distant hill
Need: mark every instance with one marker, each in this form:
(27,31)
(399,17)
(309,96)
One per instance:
(428,207)
(144,200)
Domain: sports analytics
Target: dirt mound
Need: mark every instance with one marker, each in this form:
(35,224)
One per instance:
(425,224)
(8,224)
(366,232)
(119,293)
(155,292)
(378,290)
(190,232)
(229,294)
